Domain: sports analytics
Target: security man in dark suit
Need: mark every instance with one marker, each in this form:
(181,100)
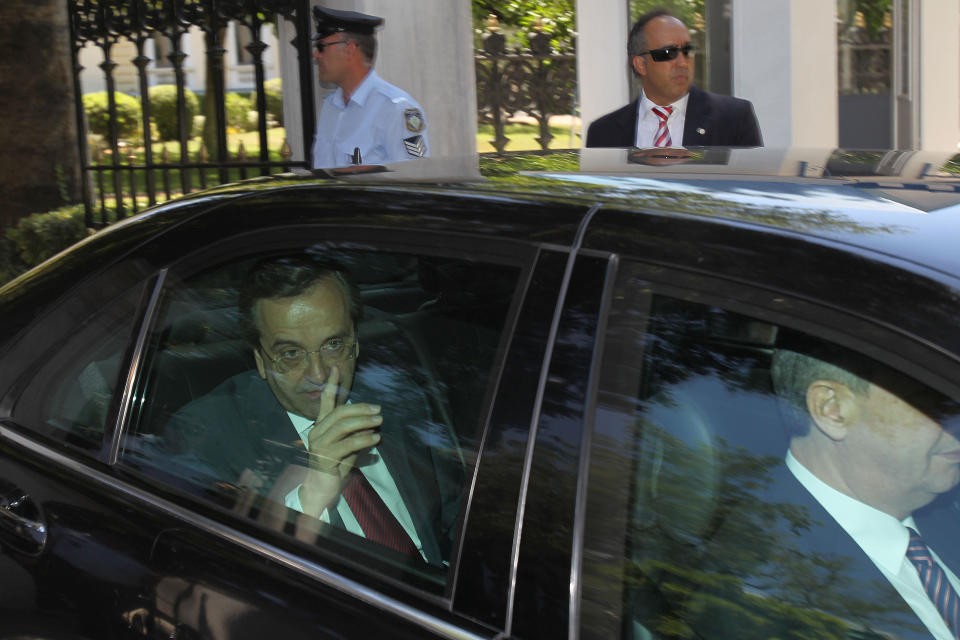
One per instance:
(670,111)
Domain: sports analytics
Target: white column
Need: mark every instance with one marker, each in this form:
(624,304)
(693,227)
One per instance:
(785,62)
(290,73)
(425,47)
(602,71)
(938,48)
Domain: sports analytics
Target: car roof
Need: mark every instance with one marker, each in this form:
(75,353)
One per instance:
(902,204)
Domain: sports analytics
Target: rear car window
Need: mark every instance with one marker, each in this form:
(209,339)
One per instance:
(68,368)
(221,413)
(752,480)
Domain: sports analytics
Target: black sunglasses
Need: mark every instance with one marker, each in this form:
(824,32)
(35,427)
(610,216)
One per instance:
(669,52)
(323,45)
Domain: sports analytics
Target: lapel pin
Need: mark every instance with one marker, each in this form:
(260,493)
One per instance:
(701,130)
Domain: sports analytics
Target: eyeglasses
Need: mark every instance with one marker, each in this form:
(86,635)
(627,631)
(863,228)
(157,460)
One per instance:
(670,52)
(333,352)
(323,45)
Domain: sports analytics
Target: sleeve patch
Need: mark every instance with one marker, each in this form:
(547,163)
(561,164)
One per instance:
(414,120)
(415,146)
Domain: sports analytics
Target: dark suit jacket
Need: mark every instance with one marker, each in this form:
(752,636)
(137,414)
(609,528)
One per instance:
(724,121)
(826,541)
(239,432)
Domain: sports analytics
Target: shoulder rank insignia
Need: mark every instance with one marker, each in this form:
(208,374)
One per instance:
(415,146)
(414,120)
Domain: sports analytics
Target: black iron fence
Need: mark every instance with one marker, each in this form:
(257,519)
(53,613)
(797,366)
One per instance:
(129,174)
(538,82)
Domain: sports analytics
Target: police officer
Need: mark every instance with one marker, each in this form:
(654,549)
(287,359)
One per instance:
(366,120)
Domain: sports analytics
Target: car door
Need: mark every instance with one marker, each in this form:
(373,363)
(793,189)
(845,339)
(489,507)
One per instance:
(181,554)
(74,553)
(695,519)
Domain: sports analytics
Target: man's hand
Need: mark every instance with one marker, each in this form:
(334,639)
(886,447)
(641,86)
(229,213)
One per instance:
(339,434)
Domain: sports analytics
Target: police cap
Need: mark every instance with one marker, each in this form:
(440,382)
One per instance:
(331,21)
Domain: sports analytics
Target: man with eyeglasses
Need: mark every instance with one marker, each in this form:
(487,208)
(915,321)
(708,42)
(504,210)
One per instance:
(670,111)
(366,120)
(360,462)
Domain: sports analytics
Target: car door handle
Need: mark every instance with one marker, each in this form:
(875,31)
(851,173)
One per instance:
(13,505)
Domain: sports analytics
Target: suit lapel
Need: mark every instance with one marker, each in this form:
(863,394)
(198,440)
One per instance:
(627,123)
(407,458)
(825,541)
(696,125)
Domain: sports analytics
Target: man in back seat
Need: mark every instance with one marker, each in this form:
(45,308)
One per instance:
(371,468)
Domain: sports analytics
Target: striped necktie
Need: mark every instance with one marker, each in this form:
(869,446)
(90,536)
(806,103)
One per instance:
(373,515)
(662,137)
(934,582)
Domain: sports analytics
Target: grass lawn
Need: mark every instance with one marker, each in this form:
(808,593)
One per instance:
(249,139)
(523,137)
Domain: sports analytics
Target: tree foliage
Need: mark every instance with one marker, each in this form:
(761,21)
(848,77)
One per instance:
(556,17)
(689,11)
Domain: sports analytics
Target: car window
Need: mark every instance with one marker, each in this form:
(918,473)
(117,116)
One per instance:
(72,360)
(700,524)
(226,406)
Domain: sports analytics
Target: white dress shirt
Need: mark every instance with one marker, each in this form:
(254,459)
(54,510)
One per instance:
(884,539)
(380,479)
(380,120)
(648,123)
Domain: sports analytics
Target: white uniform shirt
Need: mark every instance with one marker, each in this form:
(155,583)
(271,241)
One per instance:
(648,123)
(379,478)
(381,121)
(884,539)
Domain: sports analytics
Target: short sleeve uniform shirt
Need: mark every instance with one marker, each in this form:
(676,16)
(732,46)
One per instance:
(380,124)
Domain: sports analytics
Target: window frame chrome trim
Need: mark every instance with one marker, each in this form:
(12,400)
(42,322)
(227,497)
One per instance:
(126,399)
(583,473)
(572,251)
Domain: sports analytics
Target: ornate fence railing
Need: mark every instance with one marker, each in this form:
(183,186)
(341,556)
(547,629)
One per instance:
(125,174)
(538,82)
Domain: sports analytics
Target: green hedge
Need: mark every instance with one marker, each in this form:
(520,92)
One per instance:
(238,108)
(274,94)
(40,236)
(163,109)
(98,114)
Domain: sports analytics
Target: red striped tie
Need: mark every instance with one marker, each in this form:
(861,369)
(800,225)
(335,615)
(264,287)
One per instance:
(662,137)
(375,519)
(934,582)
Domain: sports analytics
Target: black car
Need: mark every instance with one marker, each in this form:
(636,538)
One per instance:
(599,354)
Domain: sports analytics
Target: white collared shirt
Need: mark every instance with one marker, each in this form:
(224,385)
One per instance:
(648,123)
(380,479)
(884,539)
(380,120)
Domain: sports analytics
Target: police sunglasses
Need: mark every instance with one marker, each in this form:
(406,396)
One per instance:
(320,46)
(669,52)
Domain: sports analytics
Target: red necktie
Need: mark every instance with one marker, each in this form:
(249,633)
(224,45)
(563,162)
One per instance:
(934,582)
(662,137)
(375,519)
